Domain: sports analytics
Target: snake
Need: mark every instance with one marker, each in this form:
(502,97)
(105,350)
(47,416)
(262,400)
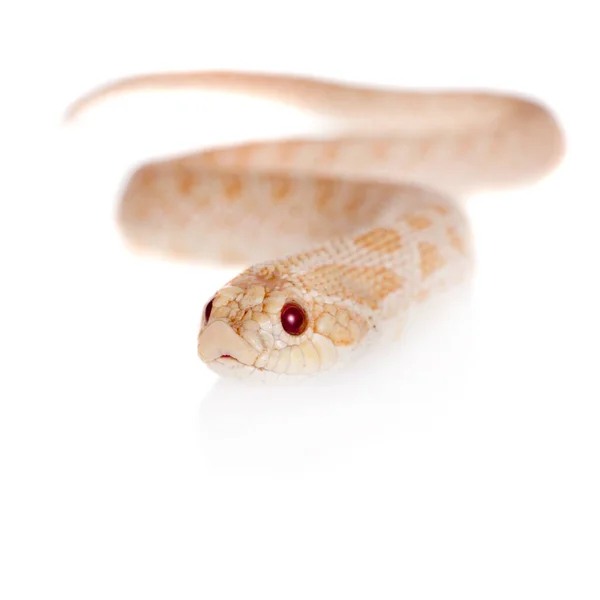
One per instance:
(338,237)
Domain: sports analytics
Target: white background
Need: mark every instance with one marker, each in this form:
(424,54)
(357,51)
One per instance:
(462,463)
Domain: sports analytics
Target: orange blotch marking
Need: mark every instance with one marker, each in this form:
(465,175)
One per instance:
(431,259)
(232,186)
(324,193)
(418,222)
(185,181)
(281,187)
(143,177)
(364,285)
(440,209)
(357,198)
(456,240)
(380,240)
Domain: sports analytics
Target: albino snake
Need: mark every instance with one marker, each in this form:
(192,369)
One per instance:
(355,230)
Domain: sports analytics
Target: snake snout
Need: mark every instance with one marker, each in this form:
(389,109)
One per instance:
(219,340)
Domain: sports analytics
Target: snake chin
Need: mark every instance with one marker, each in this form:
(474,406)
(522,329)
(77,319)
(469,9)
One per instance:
(230,368)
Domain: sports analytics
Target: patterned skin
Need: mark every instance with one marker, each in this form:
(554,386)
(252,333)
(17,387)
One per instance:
(366,223)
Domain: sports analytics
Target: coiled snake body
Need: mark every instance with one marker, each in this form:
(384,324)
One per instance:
(345,234)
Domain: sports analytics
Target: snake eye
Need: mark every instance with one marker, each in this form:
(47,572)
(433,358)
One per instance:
(207,311)
(293,319)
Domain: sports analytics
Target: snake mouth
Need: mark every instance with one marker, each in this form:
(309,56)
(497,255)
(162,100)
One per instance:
(233,364)
(227,359)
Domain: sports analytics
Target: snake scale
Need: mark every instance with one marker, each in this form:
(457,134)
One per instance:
(345,233)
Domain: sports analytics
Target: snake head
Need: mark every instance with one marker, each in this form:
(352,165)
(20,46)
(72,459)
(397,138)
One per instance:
(273,326)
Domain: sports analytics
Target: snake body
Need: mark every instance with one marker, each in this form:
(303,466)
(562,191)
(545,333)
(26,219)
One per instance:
(344,234)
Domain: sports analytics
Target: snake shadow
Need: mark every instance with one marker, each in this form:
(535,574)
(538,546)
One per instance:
(403,389)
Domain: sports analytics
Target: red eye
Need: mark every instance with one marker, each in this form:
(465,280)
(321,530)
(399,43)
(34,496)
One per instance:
(293,319)
(208,310)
